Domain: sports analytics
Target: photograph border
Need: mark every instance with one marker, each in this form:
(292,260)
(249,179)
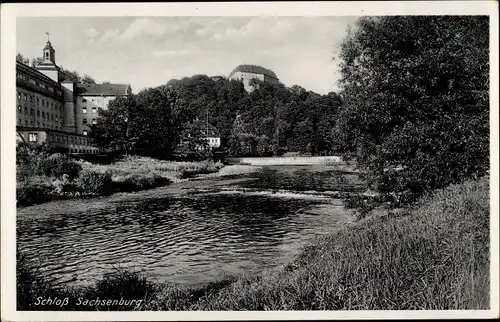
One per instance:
(9,14)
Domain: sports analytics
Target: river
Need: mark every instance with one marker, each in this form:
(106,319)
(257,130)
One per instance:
(243,220)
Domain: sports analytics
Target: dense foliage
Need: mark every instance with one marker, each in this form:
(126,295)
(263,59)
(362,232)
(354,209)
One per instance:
(415,93)
(149,123)
(268,121)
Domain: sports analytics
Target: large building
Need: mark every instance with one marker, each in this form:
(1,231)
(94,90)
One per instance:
(57,111)
(245,73)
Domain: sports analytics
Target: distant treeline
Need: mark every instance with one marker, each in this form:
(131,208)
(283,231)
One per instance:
(270,120)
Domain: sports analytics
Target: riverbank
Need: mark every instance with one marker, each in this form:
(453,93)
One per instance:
(434,256)
(43,177)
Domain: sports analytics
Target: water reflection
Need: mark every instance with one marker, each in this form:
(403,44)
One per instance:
(190,238)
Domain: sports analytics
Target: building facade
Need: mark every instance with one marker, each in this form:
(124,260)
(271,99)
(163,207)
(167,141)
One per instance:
(56,111)
(245,73)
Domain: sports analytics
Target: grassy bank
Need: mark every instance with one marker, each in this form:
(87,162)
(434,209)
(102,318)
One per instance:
(43,177)
(436,256)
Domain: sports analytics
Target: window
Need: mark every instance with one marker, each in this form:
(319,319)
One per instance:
(19,109)
(85,132)
(25,122)
(52,117)
(18,95)
(37,101)
(32,112)
(38,113)
(25,97)
(43,115)
(94,110)
(32,123)
(43,103)
(94,121)
(84,100)
(84,121)
(46,55)
(19,122)
(84,110)
(25,110)
(33,137)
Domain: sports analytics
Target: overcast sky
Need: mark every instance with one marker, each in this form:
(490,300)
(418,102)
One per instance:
(149,51)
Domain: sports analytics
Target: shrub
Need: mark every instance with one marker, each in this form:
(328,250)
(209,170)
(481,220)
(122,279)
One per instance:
(33,161)
(92,182)
(33,192)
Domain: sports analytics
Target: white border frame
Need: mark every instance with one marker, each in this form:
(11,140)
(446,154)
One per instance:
(9,12)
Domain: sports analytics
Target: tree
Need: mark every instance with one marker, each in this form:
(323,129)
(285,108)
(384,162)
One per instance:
(36,61)
(415,91)
(72,76)
(149,123)
(20,58)
(113,128)
(192,145)
(87,80)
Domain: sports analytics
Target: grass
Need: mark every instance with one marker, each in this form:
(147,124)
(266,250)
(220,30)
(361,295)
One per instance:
(435,256)
(144,167)
(43,177)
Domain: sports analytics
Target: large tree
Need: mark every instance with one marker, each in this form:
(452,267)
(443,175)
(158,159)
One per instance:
(415,93)
(149,123)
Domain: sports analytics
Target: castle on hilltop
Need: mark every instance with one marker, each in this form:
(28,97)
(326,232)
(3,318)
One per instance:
(245,73)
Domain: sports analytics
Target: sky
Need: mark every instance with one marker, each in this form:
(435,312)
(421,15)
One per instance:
(149,51)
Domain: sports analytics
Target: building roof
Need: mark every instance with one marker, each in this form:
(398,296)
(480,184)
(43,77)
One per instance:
(255,70)
(202,126)
(103,89)
(35,73)
(48,45)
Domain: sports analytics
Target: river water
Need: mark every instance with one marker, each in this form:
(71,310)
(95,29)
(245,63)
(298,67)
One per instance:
(191,232)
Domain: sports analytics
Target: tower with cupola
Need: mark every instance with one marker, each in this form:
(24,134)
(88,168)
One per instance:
(48,66)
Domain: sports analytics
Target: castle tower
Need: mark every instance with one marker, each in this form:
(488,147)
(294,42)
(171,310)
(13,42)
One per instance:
(48,67)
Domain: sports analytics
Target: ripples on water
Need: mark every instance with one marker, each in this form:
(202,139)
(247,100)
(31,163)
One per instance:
(190,234)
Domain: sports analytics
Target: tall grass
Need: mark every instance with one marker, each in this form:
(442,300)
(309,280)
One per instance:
(42,176)
(436,256)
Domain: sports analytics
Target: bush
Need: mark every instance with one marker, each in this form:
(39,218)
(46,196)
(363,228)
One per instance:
(33,192)
(92,182)
(32,161)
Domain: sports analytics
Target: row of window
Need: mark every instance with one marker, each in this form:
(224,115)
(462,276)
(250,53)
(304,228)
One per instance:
(61,138)
(53,117)
(36,83)
(84,121)
(39,124)
(97,100)
(88,151)
(36,100)
(33,137)
(94,110)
